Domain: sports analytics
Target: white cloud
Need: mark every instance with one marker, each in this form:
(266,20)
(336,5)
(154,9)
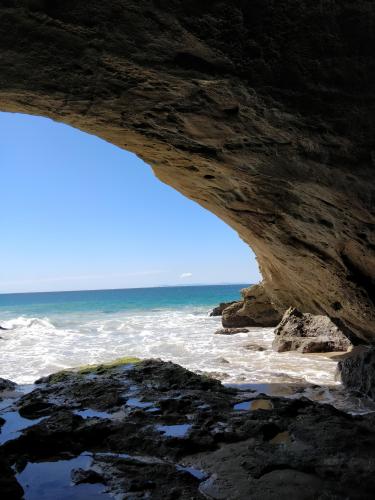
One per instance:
(186,275)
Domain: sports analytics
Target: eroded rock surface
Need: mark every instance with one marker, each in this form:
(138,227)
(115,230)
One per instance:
(155,430)
(306,332)
(218,310)
(6,385)
(255,309)
(357,371)
(262,111)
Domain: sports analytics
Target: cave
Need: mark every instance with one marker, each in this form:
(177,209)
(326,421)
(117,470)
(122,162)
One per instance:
(237,108)
(262,112)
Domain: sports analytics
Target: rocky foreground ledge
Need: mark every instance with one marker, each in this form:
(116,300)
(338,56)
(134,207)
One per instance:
(152,429)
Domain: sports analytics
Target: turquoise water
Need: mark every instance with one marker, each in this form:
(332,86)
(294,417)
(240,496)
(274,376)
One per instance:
(114,301)
(48,332)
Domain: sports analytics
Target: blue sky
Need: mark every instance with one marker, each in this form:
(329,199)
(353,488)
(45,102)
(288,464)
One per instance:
(79,213)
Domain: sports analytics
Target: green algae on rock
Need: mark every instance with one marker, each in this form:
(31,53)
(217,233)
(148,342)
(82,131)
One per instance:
(87,369)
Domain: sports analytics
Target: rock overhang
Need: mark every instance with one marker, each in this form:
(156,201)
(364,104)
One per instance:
(261,111)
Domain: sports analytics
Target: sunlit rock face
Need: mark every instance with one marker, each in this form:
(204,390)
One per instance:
(305,332)
(255,309)
(262,111)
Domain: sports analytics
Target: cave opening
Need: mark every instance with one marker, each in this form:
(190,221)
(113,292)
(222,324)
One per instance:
(97,214)
(83,215)
(263,113)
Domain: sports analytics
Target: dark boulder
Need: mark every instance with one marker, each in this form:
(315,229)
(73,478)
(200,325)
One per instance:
(7,385)
(231,331)
(254,347)
(357,370)
(9,487)
(306,332)
(218,310)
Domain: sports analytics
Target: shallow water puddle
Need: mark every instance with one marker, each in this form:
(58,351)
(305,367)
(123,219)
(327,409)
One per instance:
(255,404)
(52,480)
(137,458)
(137,403)
(93,414)
(197,473)
(5,403)
(245,405)
(14,424)
(179,430)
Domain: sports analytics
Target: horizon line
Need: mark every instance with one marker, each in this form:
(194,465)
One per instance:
(127,288)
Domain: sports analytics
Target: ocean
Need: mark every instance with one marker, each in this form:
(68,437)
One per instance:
(47,332)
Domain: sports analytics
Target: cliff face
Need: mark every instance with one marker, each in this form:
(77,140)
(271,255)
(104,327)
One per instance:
(262,111)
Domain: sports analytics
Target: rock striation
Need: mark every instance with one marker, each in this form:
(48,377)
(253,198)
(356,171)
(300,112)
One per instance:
(261,111)
(305,332)
(255,309)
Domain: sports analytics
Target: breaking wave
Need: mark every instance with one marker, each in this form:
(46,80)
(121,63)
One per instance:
(33,347)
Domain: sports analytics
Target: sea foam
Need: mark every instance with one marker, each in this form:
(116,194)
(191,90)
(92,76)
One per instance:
(34,347)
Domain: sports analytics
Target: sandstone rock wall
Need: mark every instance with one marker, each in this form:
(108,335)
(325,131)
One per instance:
(262,111)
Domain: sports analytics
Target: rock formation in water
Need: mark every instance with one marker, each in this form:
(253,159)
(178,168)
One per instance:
(6,385)
(230,331)
(357,371)
(262,111)
(155,430)
(255,309)
(218,310)
(306,332)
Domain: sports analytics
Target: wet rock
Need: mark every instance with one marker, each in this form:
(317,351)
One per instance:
(287,483)
(171,376)
(305,332)
(2,328)
(90,476)
(288,459)
(9,487)
(145,477)
(218,310)
(254,347)
(7,385)
(188,436)
(217,375)
(224,361)
(231,331)
(34,408)
(255,309)
(357,370)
